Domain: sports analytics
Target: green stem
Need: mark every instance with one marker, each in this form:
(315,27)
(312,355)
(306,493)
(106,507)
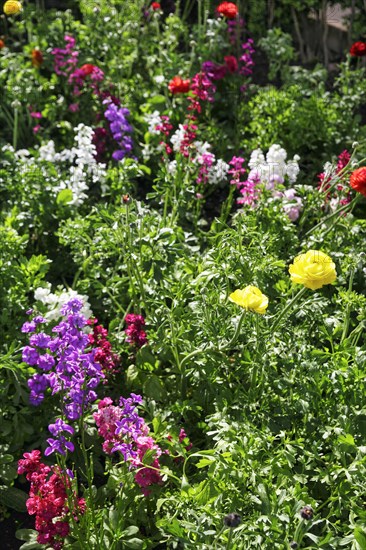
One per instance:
(15,129)
(228,546)
(333,215)
(348,308)
(236,333)
(287,308)
(89,476)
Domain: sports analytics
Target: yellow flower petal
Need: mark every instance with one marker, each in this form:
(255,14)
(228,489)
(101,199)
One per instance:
(250,298)
(12,7)
(313,270)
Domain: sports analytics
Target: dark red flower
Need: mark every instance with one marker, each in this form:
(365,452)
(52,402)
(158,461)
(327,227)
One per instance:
(37,58)
(358,180)
(358,49)
(228,10)
(2,44)
(231,63)
(179,85)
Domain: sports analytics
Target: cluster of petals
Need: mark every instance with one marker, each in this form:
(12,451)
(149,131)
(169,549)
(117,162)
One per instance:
(270,171)
(12,7)
(313,270)
(79,75)
(179,85)
(340,194)
(37,58)
(358,49)
(124,431)
(228,10)
(65,365)
(48,500)
(247,187)
(103,354)
(65,59)
(135,330)
(120,128)
(250,298)
(202,89)
(358,180)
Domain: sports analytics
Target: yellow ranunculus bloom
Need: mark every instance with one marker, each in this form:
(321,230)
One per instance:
(12,7)
(250,298)
(313,270)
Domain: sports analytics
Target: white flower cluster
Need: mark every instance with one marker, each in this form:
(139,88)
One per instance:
(273,168)
(177,138)
(272,171)
(56,301)
(82,160)
(152,120)
(217,172)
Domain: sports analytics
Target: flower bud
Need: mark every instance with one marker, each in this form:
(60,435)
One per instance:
(232,520)
(294,545)
(126,199)
(307,513)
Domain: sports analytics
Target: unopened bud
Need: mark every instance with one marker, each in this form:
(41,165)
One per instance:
(232,520)
(126,199)
(307,512)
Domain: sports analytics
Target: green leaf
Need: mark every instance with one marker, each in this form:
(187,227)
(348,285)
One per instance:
(28,535)
(134,544)
(156,99)
(131,530)
(360,536)
(154,388)
(64,196)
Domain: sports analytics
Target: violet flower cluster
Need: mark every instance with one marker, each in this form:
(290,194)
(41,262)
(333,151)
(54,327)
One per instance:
(65,365)
(124,431)
(120,128)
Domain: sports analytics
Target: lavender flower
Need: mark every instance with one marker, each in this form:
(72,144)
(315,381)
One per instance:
(120,128)
(71,370)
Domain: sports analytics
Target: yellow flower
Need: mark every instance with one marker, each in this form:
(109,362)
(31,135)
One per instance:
(313,270)
(12,7)
(250,298)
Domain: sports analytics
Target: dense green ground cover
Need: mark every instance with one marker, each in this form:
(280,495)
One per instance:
(216,230)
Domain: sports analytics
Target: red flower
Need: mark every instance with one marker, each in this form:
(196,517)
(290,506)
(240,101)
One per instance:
(231,63)
(87,69)
(178,85)
(358,180)
(37,58)
(155,6)
(358,49)
(2,44)
(228,10)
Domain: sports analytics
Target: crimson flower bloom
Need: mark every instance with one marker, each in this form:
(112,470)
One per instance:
(228,10)
(231,63)
(179,85)
(358,49)
(2,44)
(37,58)
(358,180)
(155,6)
